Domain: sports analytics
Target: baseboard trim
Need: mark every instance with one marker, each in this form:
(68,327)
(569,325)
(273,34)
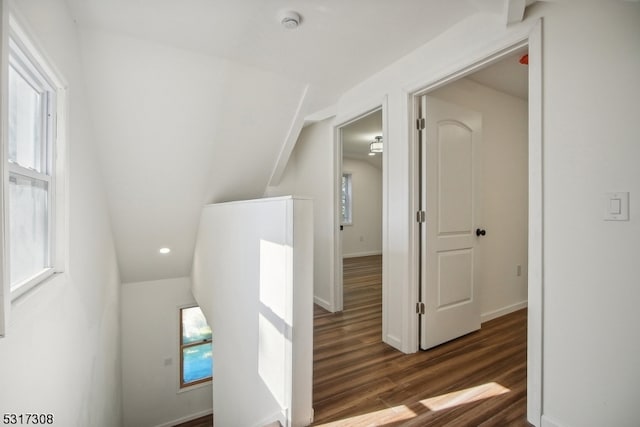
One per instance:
(186,418)
(359,254)
(277,419)
(549,422)
(393,341)
(502,311)
(322,303)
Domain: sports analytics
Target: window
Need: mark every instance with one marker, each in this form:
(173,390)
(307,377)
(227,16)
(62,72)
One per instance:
(345,200)
(196,347)
(32,194)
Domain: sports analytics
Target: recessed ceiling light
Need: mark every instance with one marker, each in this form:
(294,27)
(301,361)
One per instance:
(164,251)
(372,153)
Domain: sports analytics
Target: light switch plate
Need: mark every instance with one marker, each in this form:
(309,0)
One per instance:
(616,206)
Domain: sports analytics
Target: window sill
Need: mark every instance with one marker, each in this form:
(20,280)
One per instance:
(194,387)
(31,283)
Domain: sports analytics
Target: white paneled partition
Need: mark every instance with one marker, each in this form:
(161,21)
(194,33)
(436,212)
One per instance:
(253,278)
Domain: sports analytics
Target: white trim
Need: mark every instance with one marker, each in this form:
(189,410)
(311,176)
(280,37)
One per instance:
(514,11)
(342,120)
(290,141)
(279,418)
(186,418)
(531,37)
(359,254)
(25,39)
(16,169)
(193,387)
(29,59)
(502,311)
(386,281)
(5,287)
(323,303)
(535,295)
(393,341)
(547,421)
(31,282)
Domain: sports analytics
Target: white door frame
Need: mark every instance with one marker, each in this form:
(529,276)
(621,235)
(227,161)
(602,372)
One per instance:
(342,121)
(532,40)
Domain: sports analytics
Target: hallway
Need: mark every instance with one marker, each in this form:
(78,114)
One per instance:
(476,380)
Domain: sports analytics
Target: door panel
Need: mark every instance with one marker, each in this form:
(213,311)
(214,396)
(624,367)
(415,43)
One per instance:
(450,185)
(455,281)
(455,186)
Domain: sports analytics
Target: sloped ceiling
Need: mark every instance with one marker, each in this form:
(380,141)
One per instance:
(192,100)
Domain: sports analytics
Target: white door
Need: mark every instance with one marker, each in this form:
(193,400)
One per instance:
(451,231)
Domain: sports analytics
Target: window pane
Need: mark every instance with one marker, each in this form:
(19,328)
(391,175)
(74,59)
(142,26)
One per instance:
(198,362)
(25,123)
(345,199)
(194,326)
(29,228)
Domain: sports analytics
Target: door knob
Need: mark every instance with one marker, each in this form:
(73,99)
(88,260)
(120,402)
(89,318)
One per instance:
(480,232)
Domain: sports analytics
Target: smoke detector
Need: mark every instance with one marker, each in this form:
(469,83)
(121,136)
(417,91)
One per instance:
(290,20)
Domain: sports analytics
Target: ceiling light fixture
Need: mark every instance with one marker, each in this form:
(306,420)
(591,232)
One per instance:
(375,146)
(290,20)
(164,251)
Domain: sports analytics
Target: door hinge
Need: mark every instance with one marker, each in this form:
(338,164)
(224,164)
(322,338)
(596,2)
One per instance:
(421,216)
(420,123)
(420,309)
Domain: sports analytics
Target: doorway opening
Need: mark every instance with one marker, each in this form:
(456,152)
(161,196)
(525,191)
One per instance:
(522,278)
(360,171)
(473,197)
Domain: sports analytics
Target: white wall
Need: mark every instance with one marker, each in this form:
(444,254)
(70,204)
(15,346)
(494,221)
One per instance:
(504,202)
(178,129)
(591,292)
(62,350)
(591,345)
(253,277)
(364,236)
(151,355)
(309,172)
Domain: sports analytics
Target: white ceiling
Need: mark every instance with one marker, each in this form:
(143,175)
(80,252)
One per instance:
(357,136)
(192,100)
(508,76)
(338,44)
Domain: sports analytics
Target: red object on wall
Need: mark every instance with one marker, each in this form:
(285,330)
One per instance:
(524,60)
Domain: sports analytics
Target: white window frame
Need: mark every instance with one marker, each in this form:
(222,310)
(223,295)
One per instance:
(20,49)
(349,200)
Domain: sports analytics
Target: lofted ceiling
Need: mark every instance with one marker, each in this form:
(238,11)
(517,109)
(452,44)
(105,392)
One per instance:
(357,136)
(338,43)
(192,100)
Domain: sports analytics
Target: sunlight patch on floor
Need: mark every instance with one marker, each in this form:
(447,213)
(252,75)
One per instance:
(397,413)
(465,396)
(433,404)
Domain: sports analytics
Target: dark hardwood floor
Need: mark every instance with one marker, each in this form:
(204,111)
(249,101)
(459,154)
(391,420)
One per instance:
(476,380)
(206,421)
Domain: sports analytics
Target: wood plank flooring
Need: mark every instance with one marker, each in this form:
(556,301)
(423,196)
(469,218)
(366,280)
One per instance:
(206,421)
(476,380)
